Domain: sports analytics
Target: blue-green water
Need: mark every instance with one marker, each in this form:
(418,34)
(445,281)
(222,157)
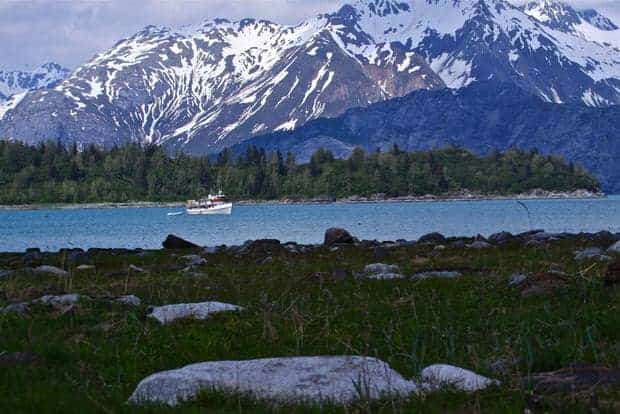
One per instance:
(147,227)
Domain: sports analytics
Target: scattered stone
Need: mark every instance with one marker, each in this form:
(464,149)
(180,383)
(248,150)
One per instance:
(542,236)
(129,300)
(12,359)
(612,276)
(262,248)
(543,283)
(21,308)
(169,313)
(440,376)
(439,248)
(479,245)
(501,238)
(32,256)
(333,379)
(85,268)
(175,242)
(59,301)
(432,238)
(517,279)
(381,271)
(337,236)
(136,269)
(458,244)
(266,260)
(5,273)
(588,254)
(615,248)
(534,243)
(573,379)
(194,260)
(50,270)
(438,274)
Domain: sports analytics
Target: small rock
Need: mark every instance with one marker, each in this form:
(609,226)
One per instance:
(12,359)
(432,238)
(517,279)
(169,313)
(381,271)
(615,248)
(479,245)
(439,376)
(573,379)
(439,248)
(262,248)
(17,308)
(588,254)
(194,260)
(543,283)
(612,276)
(337,236)
(175,242)
(439,274)
(32,256)
(501,238)
(129,300)
(50,270)
(85,268)
(5,273)
(136,269)
(60,300)
(458,244)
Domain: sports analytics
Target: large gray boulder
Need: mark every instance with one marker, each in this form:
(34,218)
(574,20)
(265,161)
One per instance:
(335,379)
(169,313)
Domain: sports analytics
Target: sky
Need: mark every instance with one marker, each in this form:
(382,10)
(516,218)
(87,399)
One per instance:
(70,32)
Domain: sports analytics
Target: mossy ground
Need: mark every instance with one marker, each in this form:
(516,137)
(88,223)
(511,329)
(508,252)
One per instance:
(93,356)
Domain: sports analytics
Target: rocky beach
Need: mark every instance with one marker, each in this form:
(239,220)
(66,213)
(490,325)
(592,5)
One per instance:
(391,326)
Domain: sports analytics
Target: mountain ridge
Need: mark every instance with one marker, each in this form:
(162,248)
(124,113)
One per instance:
(201,88)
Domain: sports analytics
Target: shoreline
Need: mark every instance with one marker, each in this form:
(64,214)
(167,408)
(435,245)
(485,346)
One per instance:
(458,197)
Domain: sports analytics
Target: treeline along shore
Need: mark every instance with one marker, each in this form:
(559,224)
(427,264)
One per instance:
(53,173)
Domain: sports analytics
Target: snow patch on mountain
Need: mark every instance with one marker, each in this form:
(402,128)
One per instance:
(45,76)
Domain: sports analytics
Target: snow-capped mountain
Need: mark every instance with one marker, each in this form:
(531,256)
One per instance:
(205,87)
(45,76)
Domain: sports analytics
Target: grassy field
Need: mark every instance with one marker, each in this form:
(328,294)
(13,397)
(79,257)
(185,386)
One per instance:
(92,356)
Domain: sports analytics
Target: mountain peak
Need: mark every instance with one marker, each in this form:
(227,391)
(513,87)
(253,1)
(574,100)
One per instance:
(553,13)
(597,20)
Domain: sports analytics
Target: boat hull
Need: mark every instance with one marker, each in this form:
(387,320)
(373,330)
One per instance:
(225,209)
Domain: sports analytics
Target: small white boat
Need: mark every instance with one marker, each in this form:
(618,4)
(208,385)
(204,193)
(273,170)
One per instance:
(177,213)
(214,204)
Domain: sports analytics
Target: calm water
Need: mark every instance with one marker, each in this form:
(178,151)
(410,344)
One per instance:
(147,227)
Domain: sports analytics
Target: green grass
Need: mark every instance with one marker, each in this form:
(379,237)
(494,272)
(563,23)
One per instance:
(94,356)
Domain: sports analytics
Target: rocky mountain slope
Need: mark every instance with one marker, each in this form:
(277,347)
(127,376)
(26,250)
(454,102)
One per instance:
(204,87)
(45,76)
(481,117)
